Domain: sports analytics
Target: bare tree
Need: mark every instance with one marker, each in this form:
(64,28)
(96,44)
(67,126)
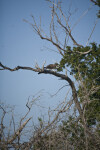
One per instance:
(42,132)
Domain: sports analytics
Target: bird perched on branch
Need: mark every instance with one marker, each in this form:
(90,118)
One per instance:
(52,66)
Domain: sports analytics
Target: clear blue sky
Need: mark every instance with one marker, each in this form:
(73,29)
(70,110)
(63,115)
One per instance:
(19,45)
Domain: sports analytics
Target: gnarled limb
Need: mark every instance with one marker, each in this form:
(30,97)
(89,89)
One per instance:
(62,76)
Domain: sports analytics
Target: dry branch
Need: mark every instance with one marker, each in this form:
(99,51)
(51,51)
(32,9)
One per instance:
(62,76)
(17,133)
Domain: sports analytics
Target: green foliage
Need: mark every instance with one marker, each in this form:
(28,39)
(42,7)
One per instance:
(74,132)
(80,63)
(86,66)
(97,2)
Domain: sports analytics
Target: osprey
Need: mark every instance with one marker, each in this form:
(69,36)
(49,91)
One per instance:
(52,66)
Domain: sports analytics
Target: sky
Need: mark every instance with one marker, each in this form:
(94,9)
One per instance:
(19,45)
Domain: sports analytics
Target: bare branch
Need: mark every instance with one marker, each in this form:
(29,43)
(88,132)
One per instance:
(69,32)
(59,90)
(18,132)
(45,37)
(92,32)
(18,68)
(83,53)
(1,123)
(84,13)
(74,93)
(67,27)
(62,76)
(53,34)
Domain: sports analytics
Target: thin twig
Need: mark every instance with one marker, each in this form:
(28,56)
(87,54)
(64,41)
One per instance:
(92,32)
